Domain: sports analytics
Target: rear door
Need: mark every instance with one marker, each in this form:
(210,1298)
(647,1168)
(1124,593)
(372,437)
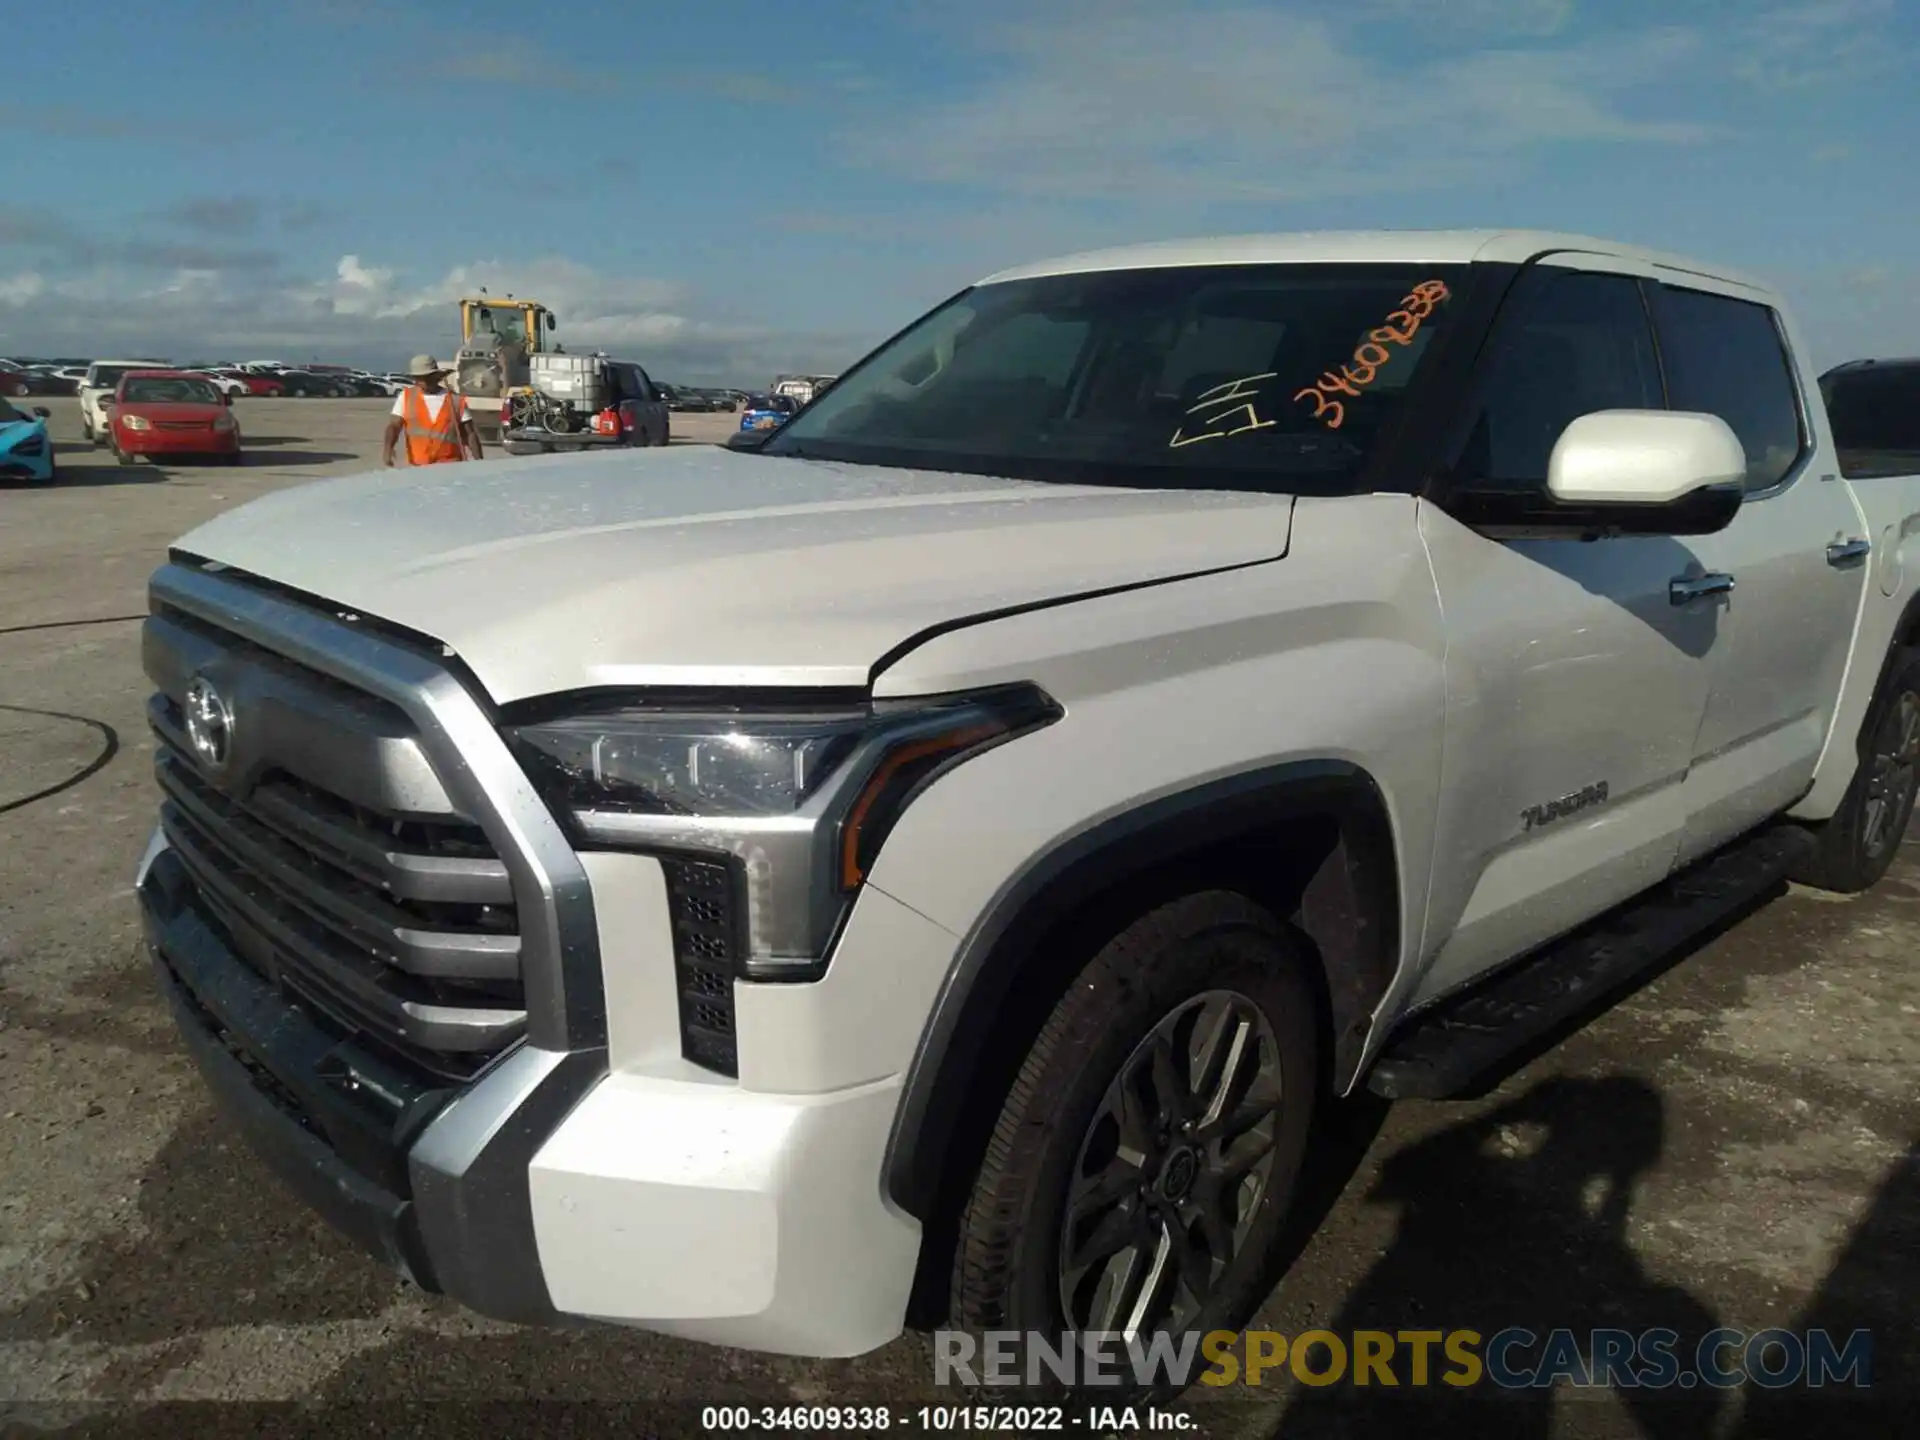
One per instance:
(1797,558)
(1574,687)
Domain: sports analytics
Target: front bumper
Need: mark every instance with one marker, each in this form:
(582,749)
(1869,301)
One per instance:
(548,1189)
(432,1181)
(178,442)
(27,467)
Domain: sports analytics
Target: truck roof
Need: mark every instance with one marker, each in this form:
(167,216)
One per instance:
(1434,247)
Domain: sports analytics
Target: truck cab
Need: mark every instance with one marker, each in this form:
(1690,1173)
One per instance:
(497,337)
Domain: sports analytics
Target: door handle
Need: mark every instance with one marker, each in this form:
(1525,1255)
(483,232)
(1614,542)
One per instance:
(1842,551)
(1683,588)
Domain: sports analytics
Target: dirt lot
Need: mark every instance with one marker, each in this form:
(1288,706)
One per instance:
(1737,1144)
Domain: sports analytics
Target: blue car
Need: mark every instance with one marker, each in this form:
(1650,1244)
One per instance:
(26,450)
(767,412)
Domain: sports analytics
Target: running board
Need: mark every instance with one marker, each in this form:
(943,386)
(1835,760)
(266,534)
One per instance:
(1441,1052)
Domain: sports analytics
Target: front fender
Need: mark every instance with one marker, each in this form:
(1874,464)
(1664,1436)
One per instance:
(1324,665)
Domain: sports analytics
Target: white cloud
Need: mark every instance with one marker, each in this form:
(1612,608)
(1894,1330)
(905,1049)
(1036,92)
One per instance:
(1183,105)
(22,289)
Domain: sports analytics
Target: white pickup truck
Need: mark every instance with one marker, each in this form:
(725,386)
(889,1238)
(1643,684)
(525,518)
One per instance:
(932,861)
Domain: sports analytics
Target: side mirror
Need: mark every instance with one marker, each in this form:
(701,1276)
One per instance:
(43,412)
(1621,472)
(1643,457)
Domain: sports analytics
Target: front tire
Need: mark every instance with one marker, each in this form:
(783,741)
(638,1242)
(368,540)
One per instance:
(1861,840)
(1146,1157)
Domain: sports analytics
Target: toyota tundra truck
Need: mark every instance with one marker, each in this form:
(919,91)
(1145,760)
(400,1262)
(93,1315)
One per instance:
(929,862)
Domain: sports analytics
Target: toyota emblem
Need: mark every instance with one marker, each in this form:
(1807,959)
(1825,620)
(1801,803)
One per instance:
(209,724)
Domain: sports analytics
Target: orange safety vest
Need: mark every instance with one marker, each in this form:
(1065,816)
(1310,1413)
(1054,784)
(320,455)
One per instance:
(431,441)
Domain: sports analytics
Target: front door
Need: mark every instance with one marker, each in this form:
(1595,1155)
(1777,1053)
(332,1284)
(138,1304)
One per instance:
(1793,558)
(1575,688)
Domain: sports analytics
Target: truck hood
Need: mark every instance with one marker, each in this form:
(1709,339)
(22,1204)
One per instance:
(696,566)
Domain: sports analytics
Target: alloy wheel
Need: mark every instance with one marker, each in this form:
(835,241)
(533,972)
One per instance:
(1892,772)
(1171,1172)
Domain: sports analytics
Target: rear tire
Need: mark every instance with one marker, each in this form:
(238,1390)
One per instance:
(1863,837)
(1122,1070)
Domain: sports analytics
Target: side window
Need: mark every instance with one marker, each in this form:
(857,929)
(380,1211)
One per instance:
(1568,343)
(1724,357)
(1875,414)
(643,387)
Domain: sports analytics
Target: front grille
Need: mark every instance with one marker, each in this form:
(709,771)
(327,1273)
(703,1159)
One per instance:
(702,900)
(398,927)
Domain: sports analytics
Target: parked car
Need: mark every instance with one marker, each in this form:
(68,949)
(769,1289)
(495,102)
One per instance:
(679,397)
(767,412)
(13,379)
(253,382)
(1874,407)
(35,380)
(228,385)
(97,388)
(163,413)
(66,379)
(937,860)
(26,449)
(303,383)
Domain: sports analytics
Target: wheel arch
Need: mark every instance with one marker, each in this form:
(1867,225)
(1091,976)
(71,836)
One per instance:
(1312,840)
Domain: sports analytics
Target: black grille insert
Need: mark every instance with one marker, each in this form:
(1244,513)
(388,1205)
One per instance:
(703,899)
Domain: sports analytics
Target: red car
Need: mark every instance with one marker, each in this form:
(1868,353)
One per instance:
(256,384)
(168,412)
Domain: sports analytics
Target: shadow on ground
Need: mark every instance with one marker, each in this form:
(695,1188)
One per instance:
(1517,1219)
(216,1244)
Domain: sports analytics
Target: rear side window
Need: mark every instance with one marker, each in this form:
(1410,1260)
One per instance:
(1569,343)
(1875,416)
(1725,357)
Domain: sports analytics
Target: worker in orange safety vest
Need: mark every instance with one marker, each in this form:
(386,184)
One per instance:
(433,419)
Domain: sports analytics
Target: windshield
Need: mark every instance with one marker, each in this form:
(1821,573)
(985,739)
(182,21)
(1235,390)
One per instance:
(105,377)
(8,415)
(164,390)
(509,325)
(1281,378)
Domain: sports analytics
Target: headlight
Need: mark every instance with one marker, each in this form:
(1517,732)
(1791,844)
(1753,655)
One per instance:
(796,800)
(223,423)
(136,422)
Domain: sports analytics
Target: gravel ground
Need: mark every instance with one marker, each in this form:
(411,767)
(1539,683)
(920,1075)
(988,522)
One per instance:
(1738,1143)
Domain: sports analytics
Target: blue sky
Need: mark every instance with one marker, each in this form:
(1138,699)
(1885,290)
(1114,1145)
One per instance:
(726,191)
